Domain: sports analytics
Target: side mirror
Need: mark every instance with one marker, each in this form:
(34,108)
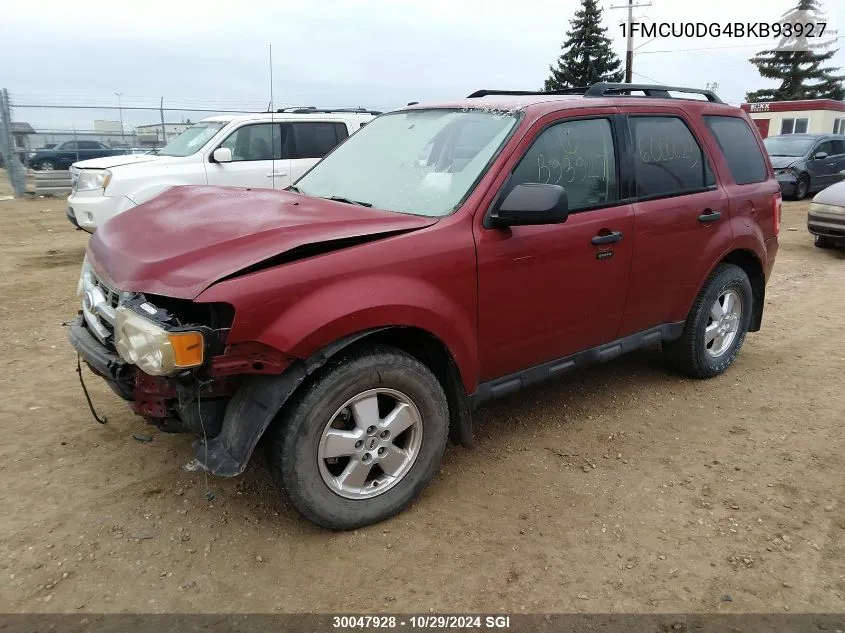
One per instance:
(222,155)
(820,155)
(532,204)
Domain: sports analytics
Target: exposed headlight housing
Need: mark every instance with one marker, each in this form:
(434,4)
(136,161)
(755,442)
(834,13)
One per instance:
(80,285)
(783,170)
(818,207)
(93,179)
(151,348)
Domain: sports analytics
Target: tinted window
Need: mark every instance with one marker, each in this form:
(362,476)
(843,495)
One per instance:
(315,139)
(828,147)
(577,155)
(254,142)
(67,145)
(838,147)
(89,145)
(667,159)
(740,148)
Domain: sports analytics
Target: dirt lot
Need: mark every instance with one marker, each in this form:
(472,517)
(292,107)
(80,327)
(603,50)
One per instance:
(623,488)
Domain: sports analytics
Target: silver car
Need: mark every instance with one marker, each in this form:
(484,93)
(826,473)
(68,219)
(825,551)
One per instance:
(826,219)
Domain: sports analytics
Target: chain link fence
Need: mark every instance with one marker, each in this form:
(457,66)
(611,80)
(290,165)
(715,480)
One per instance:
(34,129)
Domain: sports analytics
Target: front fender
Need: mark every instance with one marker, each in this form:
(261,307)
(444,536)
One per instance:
(346,307)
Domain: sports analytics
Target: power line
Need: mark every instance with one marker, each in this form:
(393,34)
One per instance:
(719,48)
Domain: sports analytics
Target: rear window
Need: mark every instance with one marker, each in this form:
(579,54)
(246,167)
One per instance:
(740,148)
(668,161)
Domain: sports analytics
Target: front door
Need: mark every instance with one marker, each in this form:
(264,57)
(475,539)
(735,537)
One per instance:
(545,292)
(256,159)
(824,171)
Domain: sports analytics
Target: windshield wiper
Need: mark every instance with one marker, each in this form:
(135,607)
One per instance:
(348,201)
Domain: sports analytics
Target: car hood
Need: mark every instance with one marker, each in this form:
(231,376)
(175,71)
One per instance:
(782,162)
(182,241)
(107,162)
(833,195)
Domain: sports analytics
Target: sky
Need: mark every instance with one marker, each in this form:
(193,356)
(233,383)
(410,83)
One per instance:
(374,53)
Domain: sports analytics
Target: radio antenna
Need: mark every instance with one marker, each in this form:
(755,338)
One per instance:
(272,127)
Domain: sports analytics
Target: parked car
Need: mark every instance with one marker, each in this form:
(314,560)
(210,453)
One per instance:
(805,163)
(442,256)
(826,218)
(69,152)
(268,150)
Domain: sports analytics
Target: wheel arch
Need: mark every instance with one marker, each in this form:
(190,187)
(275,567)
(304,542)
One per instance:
(262,399)
(753,267)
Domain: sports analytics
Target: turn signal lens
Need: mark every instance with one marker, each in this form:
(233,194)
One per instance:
(188,348)
(778,201)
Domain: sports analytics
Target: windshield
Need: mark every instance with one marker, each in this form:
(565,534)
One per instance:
(191,140)
(422,162)
(785,146)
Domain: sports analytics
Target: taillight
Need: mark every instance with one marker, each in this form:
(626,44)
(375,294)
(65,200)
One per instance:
(778,211)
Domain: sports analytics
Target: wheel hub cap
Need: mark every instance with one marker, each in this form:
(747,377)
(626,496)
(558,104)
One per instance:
(723,323)
(370,443)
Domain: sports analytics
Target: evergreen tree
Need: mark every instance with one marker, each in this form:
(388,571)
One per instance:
(801,72)
(587,57)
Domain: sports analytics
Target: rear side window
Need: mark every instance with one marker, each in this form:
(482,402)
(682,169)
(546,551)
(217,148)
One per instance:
(579,156)
(668,161)
(89,145)
(316,139)
(740,148)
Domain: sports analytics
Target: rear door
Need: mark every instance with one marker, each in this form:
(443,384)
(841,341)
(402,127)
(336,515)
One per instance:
(309,141)
(681,215)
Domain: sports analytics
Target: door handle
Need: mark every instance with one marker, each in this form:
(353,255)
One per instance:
(709,216)
(609,238)
(276,174)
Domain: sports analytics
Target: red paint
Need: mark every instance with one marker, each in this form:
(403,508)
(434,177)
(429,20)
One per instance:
(499,299)
(795,106)
(189,237)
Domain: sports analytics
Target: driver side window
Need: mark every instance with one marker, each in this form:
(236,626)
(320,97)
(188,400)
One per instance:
(578,155)
(255,142)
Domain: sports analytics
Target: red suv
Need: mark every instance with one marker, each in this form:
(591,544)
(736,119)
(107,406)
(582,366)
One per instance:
(440,257)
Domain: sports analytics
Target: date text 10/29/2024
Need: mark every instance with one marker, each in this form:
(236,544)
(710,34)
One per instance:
(352,622)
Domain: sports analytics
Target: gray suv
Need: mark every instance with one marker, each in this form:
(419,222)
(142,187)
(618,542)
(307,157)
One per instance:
(805,163)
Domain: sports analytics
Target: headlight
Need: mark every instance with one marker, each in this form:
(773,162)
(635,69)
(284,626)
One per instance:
(785,170)
(818,207)
(151,348)
(91,179)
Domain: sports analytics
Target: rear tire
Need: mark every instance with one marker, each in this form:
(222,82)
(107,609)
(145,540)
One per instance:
(802,187)
(333,452)
(716,325)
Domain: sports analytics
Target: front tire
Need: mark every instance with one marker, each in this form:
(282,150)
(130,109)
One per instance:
(716,326)
(823,241)
(362,440)
(802,187)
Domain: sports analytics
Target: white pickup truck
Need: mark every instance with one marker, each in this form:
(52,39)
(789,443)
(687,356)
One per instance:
(268,150)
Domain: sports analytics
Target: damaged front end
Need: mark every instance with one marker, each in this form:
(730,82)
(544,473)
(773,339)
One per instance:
(146,349)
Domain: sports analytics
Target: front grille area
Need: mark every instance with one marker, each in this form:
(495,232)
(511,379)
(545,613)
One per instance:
(99,301)
(112,296)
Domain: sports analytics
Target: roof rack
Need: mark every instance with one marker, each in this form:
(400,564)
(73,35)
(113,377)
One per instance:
(604,89)
(314,110)
(522,93)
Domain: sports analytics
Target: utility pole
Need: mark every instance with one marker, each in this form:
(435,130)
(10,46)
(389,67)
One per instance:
(120,109)
(629,53)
